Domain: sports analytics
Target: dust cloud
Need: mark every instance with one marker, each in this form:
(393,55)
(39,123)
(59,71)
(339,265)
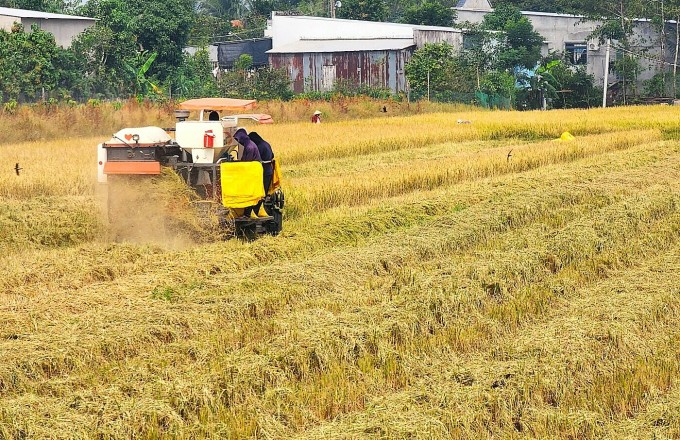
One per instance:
(159,210)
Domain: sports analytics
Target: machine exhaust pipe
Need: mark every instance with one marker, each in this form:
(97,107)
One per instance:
(181,115)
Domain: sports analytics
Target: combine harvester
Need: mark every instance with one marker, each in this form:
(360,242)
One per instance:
(206,155)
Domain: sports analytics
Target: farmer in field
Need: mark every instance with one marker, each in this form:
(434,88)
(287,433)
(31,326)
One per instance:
(316,117)
(250,154)
(266,156)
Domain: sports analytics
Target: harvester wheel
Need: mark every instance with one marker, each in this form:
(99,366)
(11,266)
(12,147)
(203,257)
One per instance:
(278,222)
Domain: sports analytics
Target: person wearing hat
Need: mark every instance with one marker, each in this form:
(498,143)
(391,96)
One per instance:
(316,117)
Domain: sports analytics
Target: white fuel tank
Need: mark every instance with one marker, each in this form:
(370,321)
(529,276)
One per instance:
(204,140)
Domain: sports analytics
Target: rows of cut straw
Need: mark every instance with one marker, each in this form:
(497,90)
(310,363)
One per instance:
(597,358)
(356,185)
(297,144)
(66,167)
(232,341)
(98,263)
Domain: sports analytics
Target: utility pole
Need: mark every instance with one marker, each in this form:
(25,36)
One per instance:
(428,85)
(332,8)
(606,74)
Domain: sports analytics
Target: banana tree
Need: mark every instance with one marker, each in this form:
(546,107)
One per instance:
(543,85)
(142,84)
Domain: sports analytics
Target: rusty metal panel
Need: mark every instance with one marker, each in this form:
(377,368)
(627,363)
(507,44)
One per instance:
(348,66)
(297,73)
(378,69)
(316,71)
(392,71)
(313,71)
(293,65)
(403,58)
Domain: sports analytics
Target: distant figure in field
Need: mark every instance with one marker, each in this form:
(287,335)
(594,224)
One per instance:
(316,117)
(384,109)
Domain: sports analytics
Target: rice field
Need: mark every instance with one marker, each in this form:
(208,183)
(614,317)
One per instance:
(434,280)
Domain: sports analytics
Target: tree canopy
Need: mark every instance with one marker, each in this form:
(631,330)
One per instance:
(429,13)
(370,10)
(56,6)
(27,62)
(518,44)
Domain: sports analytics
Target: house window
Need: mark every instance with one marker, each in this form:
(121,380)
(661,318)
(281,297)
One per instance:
(577,53)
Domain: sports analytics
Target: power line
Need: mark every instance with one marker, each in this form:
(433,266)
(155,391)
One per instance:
(645,56)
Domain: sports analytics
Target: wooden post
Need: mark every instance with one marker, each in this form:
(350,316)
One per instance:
(606,75)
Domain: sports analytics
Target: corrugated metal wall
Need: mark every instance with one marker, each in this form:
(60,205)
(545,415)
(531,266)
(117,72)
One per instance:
(314,71)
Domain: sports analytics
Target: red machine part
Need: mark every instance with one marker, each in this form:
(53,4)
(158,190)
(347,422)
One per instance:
(208,139)
(132,167)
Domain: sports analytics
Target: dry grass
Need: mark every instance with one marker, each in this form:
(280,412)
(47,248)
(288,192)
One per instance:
(45,121)
(425,286)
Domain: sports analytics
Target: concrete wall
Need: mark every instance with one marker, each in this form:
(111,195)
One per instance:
(475,5)
(454,37)
(64,30)
(317,71)
(212,52)
(558,30)
(7,22)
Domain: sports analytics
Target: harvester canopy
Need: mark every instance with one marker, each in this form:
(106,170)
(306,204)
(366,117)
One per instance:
(260,118)
(219,104)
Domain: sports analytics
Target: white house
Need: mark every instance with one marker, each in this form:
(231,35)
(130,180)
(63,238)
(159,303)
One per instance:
(570,34)
(65,28)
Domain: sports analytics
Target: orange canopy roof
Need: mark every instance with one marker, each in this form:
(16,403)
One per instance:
(226,104)
(258,117)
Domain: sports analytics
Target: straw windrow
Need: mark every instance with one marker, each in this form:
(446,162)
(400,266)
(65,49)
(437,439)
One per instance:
(476,281)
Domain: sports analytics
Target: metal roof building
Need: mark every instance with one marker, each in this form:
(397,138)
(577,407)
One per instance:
(64,27)
(319,52)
